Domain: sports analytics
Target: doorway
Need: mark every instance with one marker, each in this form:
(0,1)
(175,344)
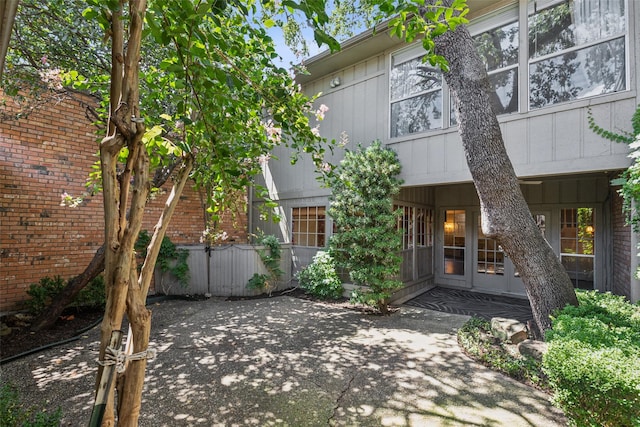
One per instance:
(493,271)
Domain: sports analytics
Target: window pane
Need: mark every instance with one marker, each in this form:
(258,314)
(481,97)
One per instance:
(416,114)
(454,238)
(574,23)
(308,226)
(498,48)
(412,77)
(505,98)
(587,72)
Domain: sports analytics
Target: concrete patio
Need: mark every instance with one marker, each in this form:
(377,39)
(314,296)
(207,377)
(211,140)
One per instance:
(292,362)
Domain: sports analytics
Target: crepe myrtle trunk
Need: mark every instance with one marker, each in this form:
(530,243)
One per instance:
(505,214)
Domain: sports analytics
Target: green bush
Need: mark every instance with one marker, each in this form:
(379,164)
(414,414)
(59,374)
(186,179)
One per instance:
(367,242)
(320,278)
(171,259)
(13,414)
(43,292)
(477,340)
(593,362)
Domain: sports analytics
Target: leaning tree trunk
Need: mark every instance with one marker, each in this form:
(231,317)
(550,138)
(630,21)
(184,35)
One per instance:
(505,214)
(52,312)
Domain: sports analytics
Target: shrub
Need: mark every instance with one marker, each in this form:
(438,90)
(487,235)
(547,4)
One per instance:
(43,292)
(320,278)
(171,260)
(367,242)
(13,414)
(593,362)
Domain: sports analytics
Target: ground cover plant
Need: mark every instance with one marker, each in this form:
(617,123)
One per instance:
(14,414)
(477,341)
(593,362)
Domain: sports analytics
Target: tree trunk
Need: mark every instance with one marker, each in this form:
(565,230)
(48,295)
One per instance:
(96,266)
(505,214)
(50,315)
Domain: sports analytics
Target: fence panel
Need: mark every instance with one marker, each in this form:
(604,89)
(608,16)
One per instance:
(225,270)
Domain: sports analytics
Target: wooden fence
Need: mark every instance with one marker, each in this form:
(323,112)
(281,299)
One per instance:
(224,271)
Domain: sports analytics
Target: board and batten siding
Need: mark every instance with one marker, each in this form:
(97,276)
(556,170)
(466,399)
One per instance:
(548,141)
(229,269)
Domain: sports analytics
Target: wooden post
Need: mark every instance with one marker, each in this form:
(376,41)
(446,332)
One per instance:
(105,385)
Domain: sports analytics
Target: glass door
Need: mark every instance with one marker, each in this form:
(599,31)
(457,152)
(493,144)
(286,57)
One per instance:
(493,270)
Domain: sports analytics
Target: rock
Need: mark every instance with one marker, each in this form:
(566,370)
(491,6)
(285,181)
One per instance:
(508,330)
(533,349)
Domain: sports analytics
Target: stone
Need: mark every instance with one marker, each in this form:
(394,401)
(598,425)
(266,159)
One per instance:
(508,330)
(533,349)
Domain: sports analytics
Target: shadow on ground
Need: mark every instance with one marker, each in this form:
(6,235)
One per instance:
(286,361)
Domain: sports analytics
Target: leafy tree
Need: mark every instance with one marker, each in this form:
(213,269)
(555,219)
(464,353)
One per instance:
(367,241)
(188,86)
(629,180)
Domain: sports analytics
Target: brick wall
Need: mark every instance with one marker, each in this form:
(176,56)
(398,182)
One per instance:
(41,157)
(621,248)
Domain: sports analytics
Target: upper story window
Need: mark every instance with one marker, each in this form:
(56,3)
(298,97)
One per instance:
(576,49)
(416,94)
(498,48)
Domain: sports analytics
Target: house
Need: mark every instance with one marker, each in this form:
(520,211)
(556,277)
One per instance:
(553,64)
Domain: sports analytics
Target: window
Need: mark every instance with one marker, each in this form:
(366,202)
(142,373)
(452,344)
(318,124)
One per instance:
(308,226)
(576,50)
(454,242)
(498,48)
(490,254)
(577,245)
(416,94)
(422,234)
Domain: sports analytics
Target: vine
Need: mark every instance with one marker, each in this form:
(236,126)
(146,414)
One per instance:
(270,256)
(170,259)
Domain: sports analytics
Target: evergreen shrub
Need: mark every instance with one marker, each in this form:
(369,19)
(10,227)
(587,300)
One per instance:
(593,362)
(48,288)
(320,278)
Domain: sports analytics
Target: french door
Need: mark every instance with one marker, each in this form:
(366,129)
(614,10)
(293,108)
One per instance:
(493,271)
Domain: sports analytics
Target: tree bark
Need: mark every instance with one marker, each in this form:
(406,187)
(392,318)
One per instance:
(505,214)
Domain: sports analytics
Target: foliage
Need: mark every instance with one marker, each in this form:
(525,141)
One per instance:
(629,180)
(270,256)
(14,414)
(367,242)
(320,278)
(170,259)
(43,292)
(593,362)
(476,339)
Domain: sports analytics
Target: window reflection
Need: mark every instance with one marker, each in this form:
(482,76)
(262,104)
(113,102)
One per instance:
(577,245)
(566,62)
(454,242)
